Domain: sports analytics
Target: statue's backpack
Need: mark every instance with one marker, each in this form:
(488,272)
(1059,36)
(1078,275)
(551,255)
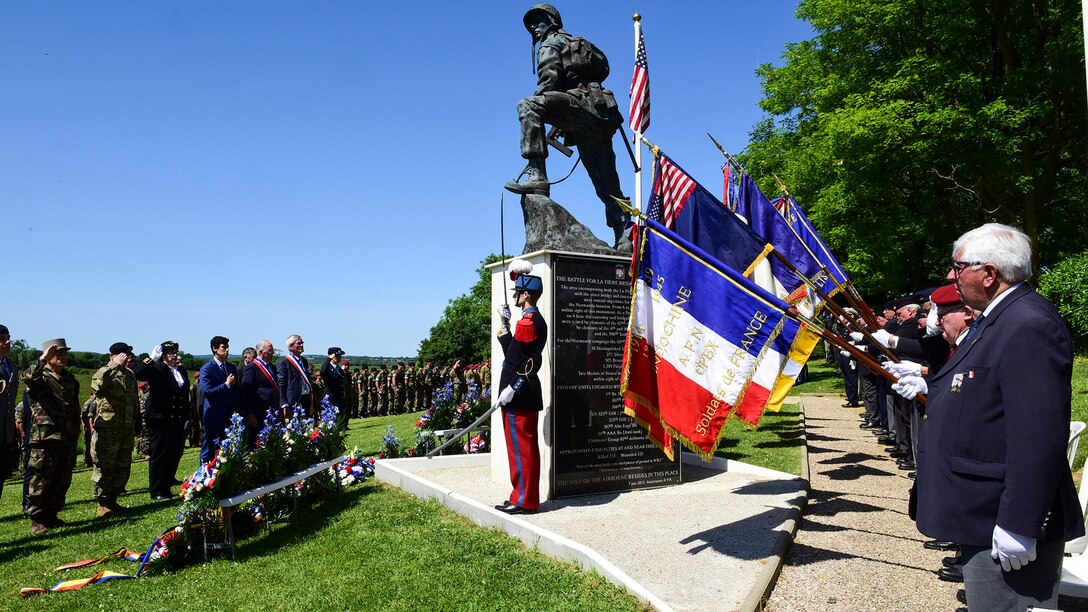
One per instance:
(587,61)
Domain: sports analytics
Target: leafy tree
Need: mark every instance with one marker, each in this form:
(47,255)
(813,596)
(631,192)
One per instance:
(1064,286)
(22,355)
(904,123)
(464,331)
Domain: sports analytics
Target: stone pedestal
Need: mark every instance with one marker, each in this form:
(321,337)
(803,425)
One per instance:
(588,445)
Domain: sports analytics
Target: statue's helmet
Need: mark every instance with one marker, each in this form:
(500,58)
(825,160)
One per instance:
(542,9)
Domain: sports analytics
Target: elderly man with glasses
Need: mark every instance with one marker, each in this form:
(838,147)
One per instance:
(992,471)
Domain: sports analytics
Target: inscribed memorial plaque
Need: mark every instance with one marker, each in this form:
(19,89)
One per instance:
(596,447)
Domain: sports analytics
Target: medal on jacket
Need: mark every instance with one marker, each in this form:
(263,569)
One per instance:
(957,382)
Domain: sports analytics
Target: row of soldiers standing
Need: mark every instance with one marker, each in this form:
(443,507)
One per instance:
(380,391)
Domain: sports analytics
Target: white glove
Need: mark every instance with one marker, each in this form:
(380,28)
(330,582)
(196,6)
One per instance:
(844,353)
(506,395)
(904,368)
(931,323)
(504,316)
(156,353)
(910,386)
(856,336)
(882,337)
(1012,550)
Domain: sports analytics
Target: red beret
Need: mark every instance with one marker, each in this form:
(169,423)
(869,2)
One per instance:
(946,297)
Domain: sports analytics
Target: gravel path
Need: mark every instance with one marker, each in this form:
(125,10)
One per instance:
(856,548)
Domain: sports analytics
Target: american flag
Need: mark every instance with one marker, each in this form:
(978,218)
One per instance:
(640,89)
(672,188)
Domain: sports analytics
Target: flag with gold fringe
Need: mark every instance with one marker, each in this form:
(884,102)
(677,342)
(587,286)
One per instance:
(700,343)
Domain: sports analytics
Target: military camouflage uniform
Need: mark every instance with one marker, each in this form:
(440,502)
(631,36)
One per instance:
(397,380)
(87,416)
(114,424)
(54,431)
(457,377)
(410,389)
(143,438)
(428,385)
(485,380)
(369,384)
(381,386)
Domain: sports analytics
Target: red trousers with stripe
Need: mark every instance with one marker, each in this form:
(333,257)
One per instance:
(524,455)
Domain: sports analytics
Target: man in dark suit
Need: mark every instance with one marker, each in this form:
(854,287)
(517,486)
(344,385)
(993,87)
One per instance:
(296,390)
(992,470)
(260,390)
(333,377)
(9,394)
(218,380)
(166,413)
(521,397)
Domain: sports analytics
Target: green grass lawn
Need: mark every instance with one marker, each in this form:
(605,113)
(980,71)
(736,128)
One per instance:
(775,444)
(373,548)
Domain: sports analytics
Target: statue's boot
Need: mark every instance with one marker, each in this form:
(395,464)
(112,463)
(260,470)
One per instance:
(623,242)
(536,180)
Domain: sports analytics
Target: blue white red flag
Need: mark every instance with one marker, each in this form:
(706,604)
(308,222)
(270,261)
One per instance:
(681,204)
(701,346)
(765,219)
(795,217)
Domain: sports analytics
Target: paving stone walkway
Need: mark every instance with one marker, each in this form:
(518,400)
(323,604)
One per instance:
(856,548)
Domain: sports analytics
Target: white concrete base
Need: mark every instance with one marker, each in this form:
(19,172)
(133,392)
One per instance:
(398,472)
(706,542)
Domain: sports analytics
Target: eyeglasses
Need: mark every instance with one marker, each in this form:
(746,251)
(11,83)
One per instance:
(943,314)
(958,266)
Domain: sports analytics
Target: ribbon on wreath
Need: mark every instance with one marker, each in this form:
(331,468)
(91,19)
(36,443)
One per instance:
(104,575)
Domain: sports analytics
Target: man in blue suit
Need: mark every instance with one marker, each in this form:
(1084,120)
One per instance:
(296,391)
(218,380)
(992,470)
(260,390)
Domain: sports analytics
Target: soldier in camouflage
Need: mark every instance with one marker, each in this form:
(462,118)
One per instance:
(114,386)
(54,430)
(428,384)
(410,388)
(396,389)
(143,439)
(87,416)
(381,387)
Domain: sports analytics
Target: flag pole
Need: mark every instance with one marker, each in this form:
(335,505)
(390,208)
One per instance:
(849,292)
(868,362)
(848,289)
(792,268)
(637,133)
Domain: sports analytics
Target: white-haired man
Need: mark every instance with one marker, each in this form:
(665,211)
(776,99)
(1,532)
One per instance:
(293,375)
(992,470)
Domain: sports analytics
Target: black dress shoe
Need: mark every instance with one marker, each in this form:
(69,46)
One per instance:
(906,465)
(950,561)
(939,545)
(898,453)
(911,475)
(961,596)
(512,509)
(851,405)
(504,506)
(886,440)
(950,574)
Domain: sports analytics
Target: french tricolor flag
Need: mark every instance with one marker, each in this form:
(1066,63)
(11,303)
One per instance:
(702,344)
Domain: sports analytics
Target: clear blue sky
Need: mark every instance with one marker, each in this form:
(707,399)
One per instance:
(177,170)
